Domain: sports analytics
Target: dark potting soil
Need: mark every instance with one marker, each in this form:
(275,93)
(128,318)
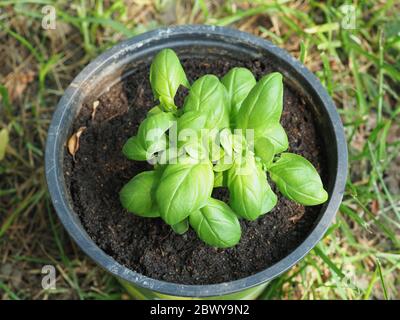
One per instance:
(149,246)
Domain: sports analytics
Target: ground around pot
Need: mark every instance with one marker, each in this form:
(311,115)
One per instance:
(357,63)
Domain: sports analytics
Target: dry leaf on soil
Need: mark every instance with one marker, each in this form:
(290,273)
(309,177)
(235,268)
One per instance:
(73,142)
(95,105)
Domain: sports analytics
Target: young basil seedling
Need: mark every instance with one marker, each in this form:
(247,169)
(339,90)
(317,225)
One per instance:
(179,188)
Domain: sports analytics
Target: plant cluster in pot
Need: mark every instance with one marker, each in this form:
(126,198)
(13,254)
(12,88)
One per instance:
(193,161)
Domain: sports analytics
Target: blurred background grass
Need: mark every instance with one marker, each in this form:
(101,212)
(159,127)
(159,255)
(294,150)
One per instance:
(359,64)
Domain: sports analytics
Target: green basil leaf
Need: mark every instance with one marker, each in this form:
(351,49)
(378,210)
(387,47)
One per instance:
(151,137)
(264,149)
(181,227)
(138,195)
(225,139)
(215,151)
(224,163)
(184,188)
(153,111)
(238,82)
(154,127)
(232,142)
(220,166)
(195,149)
(270,198)
(170,155)
(276,134)
(298,180)
(193,120)
(219,179)
(247,188)
(263,105)
(216,224)
(189,128)
(166,75)
(134,150)
(208,95)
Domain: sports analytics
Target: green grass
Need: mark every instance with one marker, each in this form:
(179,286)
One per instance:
(359,257)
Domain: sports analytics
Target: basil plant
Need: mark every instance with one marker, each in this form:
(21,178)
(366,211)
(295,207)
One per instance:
(226,134)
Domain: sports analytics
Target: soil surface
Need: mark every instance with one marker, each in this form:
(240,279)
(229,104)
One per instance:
(149,246)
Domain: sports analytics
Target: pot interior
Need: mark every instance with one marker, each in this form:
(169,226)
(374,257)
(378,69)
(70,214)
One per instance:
(123,61)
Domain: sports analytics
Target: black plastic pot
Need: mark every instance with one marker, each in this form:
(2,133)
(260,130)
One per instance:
(119,61)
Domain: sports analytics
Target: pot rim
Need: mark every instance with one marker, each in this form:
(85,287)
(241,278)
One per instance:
(77,232)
